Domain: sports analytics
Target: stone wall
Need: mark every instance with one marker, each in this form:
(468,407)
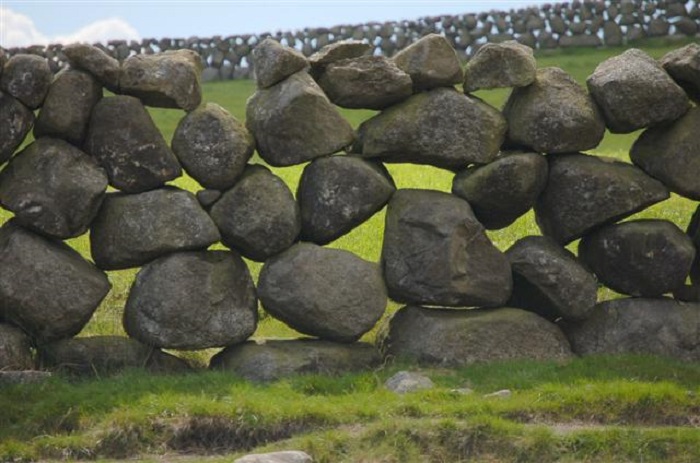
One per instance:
(465,300)
(569,24)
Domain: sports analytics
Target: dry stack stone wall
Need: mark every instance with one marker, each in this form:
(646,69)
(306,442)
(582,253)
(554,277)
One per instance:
(465,299)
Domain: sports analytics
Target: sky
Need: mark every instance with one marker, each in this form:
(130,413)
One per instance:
(32,22)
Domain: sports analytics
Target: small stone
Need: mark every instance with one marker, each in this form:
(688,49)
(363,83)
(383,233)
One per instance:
(15,349)
(684,67)
(502,394)
(287,456)
(408,381)
(16,120)
(463,391)
(94,61)
(498,65)
(27,78)
(207,198)
(431,62)
(274,62)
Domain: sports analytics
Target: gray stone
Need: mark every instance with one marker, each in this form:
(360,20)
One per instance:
(105,355)
(14,378)
(549,280)
(431,62)
(286,456)
(328,293)
(207,198)
(46,288)
(612,34)
(275,62)
(686,26)
(502,394)
(645,258)
(503,190)
(192,300)
(126,142)
(671,154)
(165,80)
(344,49)
(658,27)
(3,60)
(210,75)
(442,127)
(16,120)
(94,61)
(684,67)
(294,122)
(338,193)
(53,188)
(258,216)
(272,360)
(131,230)
(633,91)
(213,146)
(27,78)
(578,41)
(452,338)
(369,82)
(408,381)
(640,326)
(553,115)
(15,349)
(585,192)
(435,252)
(507,64)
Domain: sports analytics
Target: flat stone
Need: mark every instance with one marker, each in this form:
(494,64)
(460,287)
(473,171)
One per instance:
(27,78)
(94,61)
(341,50)
(683,65)
(287,456)
(274,62)
(15,349)
(16,120)
(408,381)
(431,62)
(499,65)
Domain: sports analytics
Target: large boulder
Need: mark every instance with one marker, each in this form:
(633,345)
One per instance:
(16,120)
(645,258)
(274,62)
(258,216)
(640,326)
(451,338)
(273,360)
(331,200)
(369,82)
(53,188)
(549,280)
(328,293)
(294,122)
(683,65)
(553,115)
(126,142)
(671,153)
(503,190)
(435,252)
(104,355)
(27,78)
(192,300)
(15,349)
(498,65)
(68,105)
(633,91)
(131,230)
(213,146)
(585,192)
(94,61)
(46,288)
(165,80)
(431,62)
(442,127)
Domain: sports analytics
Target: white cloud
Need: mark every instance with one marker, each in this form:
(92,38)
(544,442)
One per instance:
(101,31)
(18,30)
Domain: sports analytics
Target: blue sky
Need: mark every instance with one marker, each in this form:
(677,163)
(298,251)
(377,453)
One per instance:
(51,20)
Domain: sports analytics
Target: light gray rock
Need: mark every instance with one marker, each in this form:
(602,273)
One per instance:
(431,62)
(94,61)
(16,120)
(274,62)
(408,381)
(498,65)
(287,456)
(683,65)
(27,78)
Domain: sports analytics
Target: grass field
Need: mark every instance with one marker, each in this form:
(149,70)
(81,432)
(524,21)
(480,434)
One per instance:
(594,409)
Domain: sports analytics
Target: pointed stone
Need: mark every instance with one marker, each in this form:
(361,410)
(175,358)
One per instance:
(95,62)
(431,62)
(498,65)
(274,62)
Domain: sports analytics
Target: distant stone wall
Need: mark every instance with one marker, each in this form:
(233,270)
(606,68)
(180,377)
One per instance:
(568,24)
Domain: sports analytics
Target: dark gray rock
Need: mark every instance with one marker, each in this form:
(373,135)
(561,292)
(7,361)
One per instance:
(27,78)
(442,127)
(584,192)
(342,50)
(16,121)
(294,122)
(274,62)
(549,280)
(258,216)
(408,381)
(286,456)
(693,231)
(553,115)
(431,62)
(503,190)
(105,355)
(13,378)
(67,107)
(338,193)
(131,230)
(126,142)
(328,293)
(435,252)
(683,65)
(207,198)
(633,91)
(15,349)
(165,80)
(450,338)
(46,288)
(273,360)
(579,41)
(95,62)
(671,154)
(645,258)
(3,60)
(192,300)
(213,146)
(53,188)
(640,326)
(686,26)
(612,34)
(369,82)
(497,65)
